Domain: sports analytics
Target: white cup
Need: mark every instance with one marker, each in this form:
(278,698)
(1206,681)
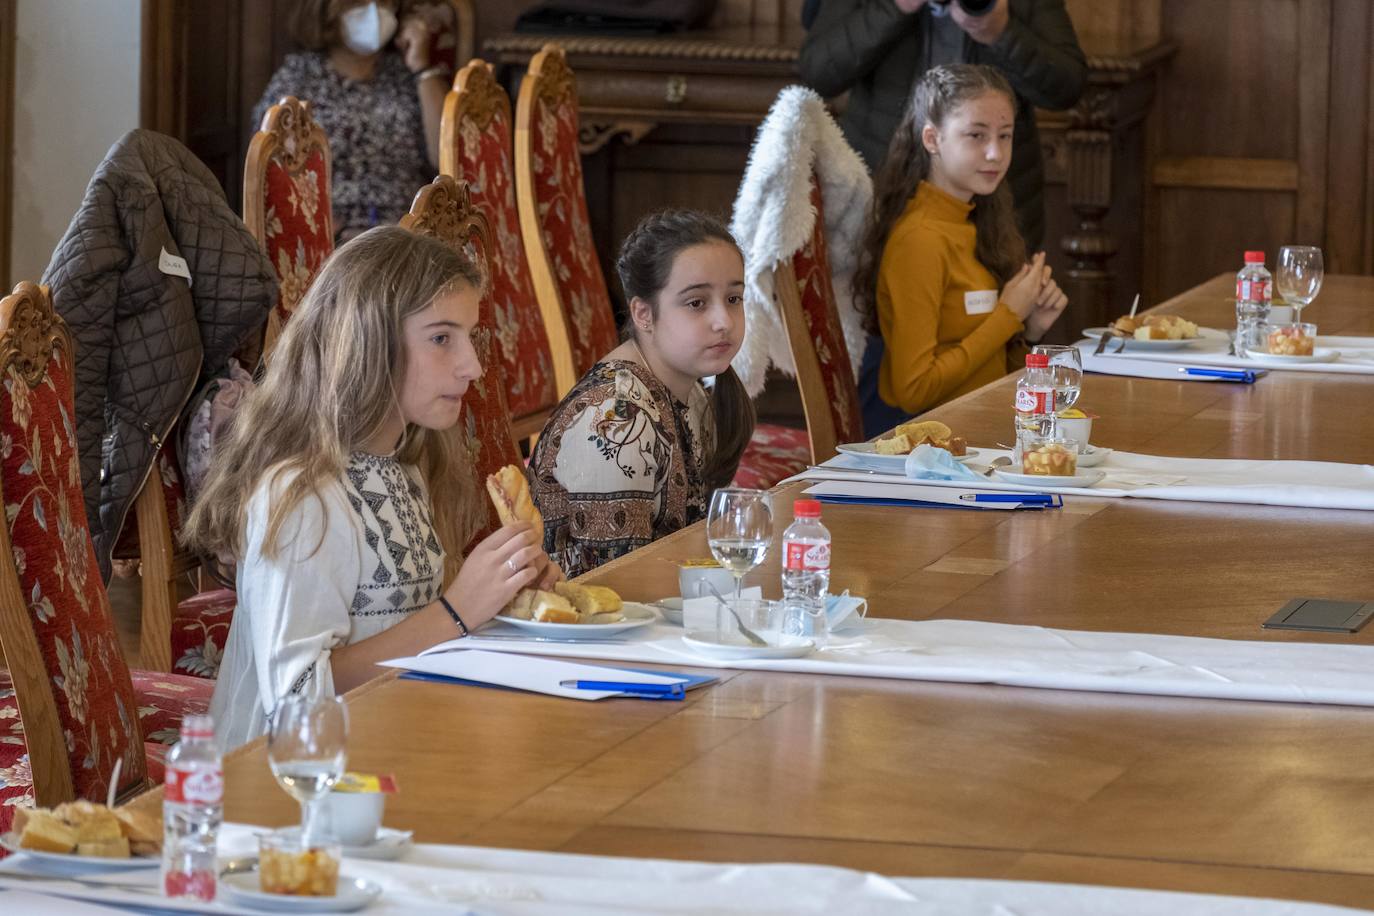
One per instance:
(691,581)
(354,817)
(1077,428)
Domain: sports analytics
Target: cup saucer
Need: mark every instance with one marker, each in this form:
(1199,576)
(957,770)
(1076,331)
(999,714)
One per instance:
(390,844)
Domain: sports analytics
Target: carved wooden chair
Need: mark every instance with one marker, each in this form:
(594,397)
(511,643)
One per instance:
(553,217)
(444,210)
(475,148)
(80,707)
(806,297)
(286,202)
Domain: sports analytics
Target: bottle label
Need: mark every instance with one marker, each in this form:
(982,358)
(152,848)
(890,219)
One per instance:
(200,786)
(1248,290)
(1034,400)
(808,557)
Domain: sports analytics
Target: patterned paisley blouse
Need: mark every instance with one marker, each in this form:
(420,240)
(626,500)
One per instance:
(619,465)
(375,130)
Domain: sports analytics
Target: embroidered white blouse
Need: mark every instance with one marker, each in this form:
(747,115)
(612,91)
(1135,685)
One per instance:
(350,564)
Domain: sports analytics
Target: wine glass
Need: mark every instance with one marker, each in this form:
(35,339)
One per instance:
(1299,276)
(739,529)
(306,746)
(1066,370)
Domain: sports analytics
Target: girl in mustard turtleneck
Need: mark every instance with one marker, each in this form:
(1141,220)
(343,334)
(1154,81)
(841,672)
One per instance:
(943,275)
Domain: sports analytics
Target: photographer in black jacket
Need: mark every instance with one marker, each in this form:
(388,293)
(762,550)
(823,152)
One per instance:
(877,49)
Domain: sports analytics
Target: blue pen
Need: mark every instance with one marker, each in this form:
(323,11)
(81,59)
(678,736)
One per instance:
(1234,375)
(664,691)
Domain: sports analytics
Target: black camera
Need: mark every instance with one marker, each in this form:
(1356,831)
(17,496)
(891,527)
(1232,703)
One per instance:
(970,7)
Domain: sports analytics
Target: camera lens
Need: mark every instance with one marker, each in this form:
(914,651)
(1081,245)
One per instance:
(977,7)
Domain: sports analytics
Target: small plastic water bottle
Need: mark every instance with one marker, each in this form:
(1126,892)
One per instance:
(192,810)
(1254,296)
(1034,401)
(805,571)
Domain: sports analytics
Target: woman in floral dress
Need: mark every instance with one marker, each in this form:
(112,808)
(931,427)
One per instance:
(372,87)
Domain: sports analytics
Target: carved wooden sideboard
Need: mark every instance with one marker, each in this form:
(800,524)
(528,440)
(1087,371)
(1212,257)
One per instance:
(668,121)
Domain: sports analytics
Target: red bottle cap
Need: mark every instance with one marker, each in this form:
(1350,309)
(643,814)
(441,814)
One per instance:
(1037,360)
(806,508)
(1254,257)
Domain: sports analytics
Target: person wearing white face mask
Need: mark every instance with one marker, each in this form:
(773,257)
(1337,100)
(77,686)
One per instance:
(366,69)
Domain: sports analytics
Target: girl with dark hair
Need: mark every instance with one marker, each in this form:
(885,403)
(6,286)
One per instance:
(943,275)
(635,449)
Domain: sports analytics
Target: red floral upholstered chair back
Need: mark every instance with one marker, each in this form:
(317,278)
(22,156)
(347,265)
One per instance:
(443,209)
(286,202)
(475,148)
(553,218)
(75,694)
(806,296)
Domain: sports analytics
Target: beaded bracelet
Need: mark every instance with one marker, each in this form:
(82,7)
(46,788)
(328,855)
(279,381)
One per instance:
(439,70)
(462,627)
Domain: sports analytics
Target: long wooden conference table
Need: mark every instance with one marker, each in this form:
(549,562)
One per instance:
(911,778)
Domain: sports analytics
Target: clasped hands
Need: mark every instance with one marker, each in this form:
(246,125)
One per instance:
(1035,297)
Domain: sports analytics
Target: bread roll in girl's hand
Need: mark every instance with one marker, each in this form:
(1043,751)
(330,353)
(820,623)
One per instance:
(510,493)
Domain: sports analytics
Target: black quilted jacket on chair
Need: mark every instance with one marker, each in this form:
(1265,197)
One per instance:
(144,334)
(875,52)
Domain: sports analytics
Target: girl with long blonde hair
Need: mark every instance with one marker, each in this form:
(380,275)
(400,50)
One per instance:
(943,275)
(321,493)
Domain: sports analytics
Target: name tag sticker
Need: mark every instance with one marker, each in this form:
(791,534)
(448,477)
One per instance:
(980,301)
(173,266)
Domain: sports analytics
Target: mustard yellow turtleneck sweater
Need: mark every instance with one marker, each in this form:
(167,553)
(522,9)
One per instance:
(940,312)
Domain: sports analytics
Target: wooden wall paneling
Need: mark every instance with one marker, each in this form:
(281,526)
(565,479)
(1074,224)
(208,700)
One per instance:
(162,70)
(1129,19)
(1351,119)
(7,26)
(214,112)
(1367,211)
(1313,63)
(1248,102)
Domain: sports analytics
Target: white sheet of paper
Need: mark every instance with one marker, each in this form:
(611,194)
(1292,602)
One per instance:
(541,675)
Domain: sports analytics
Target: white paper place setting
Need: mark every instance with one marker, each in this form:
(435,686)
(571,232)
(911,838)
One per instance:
(1307,484)
(1165,358)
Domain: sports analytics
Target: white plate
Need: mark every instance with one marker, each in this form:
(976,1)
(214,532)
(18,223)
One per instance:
(1093,457)
(1319,355)
(671,609)
(1081,479)
(390,844)
(354,894)
(635,615)
(785,647)
(53,861)
(1133,344)
(863,452)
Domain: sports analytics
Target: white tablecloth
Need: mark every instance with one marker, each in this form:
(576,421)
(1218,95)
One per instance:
(1356,358)
(457,879)
(972,651)
(1307,484)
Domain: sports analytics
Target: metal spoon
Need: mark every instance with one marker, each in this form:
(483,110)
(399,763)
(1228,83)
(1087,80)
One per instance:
(1001,462)
(745,631)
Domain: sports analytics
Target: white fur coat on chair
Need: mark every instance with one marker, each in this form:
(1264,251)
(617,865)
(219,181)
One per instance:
(773,219)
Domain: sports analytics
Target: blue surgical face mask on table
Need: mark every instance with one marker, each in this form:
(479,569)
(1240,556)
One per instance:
(844,610)
(367,29)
